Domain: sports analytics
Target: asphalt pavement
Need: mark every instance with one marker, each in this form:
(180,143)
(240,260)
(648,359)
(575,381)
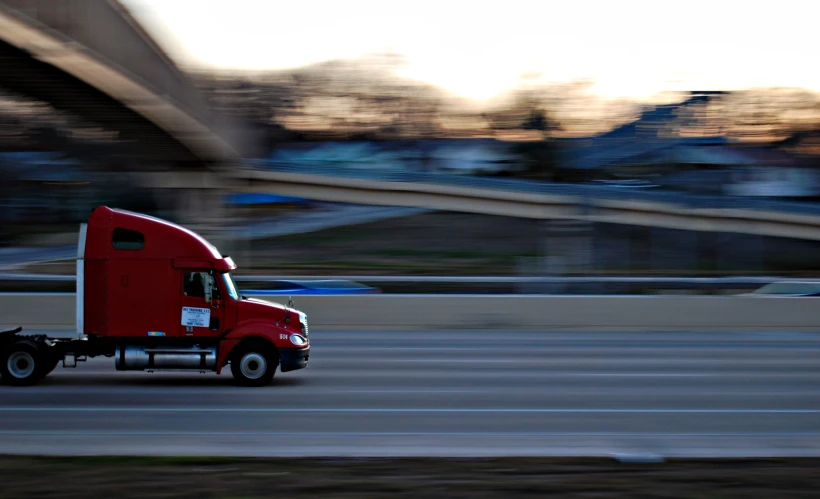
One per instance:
(464,393)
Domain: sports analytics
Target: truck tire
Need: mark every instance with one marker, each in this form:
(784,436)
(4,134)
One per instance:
(22,364)
(254,364)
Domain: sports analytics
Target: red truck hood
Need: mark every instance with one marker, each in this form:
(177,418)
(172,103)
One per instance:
(255,309)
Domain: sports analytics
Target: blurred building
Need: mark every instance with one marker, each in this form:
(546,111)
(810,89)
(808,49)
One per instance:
(469,156)
(683,147)
(55,187)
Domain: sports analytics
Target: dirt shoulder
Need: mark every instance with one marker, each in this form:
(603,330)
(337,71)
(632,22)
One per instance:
(218,478)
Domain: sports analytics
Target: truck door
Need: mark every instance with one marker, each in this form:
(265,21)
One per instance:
(203,313)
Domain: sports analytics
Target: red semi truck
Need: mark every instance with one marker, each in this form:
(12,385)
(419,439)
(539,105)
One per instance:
(156,296)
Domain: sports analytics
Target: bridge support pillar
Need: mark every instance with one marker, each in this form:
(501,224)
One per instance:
(568,249)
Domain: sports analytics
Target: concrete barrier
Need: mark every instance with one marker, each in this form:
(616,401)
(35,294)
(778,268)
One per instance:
(507,312)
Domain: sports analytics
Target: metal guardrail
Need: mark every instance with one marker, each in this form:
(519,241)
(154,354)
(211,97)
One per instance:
(739,280)
(524,280)
(587,192)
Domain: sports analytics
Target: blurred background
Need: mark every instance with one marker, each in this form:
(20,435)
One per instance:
(470,153)
(664,149)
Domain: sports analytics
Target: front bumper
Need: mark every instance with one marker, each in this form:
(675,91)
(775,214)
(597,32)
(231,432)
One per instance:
(291,359)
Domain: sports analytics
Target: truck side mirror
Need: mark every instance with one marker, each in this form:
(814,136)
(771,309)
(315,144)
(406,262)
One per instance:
(208,283)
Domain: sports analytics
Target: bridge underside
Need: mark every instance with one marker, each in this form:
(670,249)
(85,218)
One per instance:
(93,59)
(25,75)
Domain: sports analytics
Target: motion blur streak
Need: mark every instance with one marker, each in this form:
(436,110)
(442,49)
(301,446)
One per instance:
(569,140)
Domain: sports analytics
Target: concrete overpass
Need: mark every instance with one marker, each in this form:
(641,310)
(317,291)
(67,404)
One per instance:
(93,60)
(541,200)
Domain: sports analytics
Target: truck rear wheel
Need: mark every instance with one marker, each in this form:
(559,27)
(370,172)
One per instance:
(254,364)
(22,364)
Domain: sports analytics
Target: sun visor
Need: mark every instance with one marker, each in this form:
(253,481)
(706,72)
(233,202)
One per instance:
(192,263)
(225,265)
(222,265)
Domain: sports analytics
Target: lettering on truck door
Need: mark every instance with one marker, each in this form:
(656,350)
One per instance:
(201,312)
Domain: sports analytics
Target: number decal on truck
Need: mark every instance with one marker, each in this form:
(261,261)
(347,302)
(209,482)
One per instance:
(283,336)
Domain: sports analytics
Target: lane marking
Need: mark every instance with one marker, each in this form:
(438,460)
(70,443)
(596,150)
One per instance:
(24,397)
(431,410)
(199,390)
(642,375)
(359,434)
(406,390)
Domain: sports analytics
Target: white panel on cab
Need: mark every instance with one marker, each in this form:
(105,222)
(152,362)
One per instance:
(80,281)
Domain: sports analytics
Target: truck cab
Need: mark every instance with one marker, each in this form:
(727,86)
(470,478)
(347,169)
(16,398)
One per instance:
(156,296)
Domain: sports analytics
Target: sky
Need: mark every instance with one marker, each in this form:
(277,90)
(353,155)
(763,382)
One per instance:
(482,48)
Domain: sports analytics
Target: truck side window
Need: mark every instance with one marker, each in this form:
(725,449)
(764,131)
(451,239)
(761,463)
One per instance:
(124,239)
(194,284)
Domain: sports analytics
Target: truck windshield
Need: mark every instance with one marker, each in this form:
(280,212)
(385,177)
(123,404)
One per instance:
(230,285)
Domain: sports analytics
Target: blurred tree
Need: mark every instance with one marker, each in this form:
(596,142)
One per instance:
(526,112)
(537,121)
(541,160)
(541,156)
(770,113)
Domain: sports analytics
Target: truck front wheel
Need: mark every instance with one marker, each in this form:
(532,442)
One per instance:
(22,364)
(254,364)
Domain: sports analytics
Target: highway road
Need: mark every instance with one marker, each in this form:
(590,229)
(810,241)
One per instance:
(465,393)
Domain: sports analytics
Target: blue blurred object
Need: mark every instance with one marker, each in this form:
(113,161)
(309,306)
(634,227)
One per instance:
(250,199)
(312,287)
(788,288)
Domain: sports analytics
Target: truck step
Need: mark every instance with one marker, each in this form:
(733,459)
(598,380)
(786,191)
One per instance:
(175,350)
(70,357)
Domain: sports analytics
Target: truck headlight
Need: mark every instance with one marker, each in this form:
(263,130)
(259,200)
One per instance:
(304,324)
(298,340)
